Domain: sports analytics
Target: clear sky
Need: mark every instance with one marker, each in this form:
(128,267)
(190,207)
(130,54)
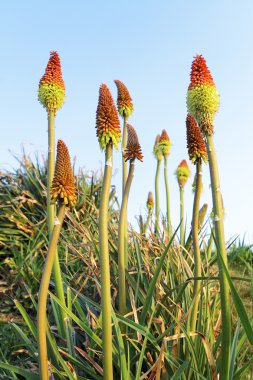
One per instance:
(148,45)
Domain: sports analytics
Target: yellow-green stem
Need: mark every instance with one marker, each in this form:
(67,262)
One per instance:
(202,214)
(42,302)
(51,215)
(121,247)
(105,267)
(124,179)
(196,249)
(220,241)
(182,231)
(147,222)
(157,203)
(167,196)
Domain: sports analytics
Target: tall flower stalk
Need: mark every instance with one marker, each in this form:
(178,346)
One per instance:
(125,109)
(150,207)
(197,153)
(165,146)
(51,94)
(203,103)
(182,174)
(158,155)
(63,191)
(108,133)
(132,151)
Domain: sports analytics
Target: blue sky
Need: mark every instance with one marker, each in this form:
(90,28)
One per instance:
(148,45)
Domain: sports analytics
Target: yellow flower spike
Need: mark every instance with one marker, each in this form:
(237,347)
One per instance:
(202,96)
(157,149)
(63,188)
(165,143)
(182,173)
(51,92)
(124,100)
(107,121)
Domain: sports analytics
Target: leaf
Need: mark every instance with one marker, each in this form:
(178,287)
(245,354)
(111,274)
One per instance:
(238,303)
(28,375)
(154,280)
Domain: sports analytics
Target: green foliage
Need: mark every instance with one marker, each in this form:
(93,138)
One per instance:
(157,341)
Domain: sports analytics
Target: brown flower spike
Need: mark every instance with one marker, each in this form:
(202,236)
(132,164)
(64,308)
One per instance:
(63,188)
(133,148)
(124,100)
(195,142)
(107,120)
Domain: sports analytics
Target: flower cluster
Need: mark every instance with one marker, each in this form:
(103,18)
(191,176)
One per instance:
(63,188)
(195,142)
(133,148)
(51,93)
(182,173)
(124,100)
(107,121)
(202,97)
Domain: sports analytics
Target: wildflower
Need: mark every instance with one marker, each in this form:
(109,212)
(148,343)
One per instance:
(164,143)
(182,173)
(150,201)
(202,96)
(63,188)
(107,121)
(157,149)
(195,142)
(124,100)
(51,92)
(133,148)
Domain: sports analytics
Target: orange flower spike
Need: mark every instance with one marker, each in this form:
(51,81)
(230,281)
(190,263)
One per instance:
(182,173)
(133,148)
(51,93)
(124,100)
(195,142)
(63,188)
(202,97)
(107,120)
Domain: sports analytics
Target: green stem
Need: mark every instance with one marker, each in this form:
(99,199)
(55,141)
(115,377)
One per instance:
(220,241)
(182,231)
(121,247)
(124,179)
(202,214)
(157,205)
(51,215)
(147,222)
(167,197)
(42,302)
(105,267)
(196,249)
